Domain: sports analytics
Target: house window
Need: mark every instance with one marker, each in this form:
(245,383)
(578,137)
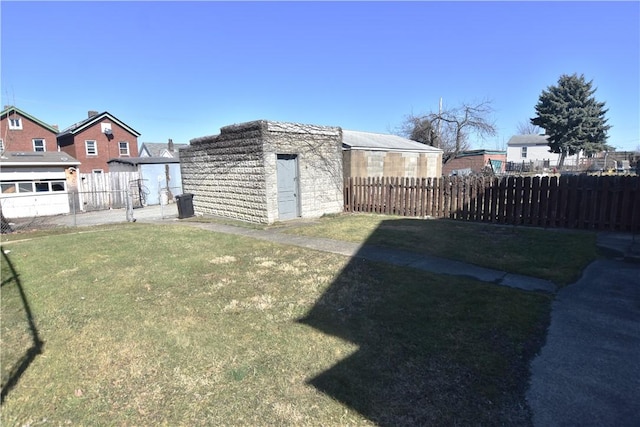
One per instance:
(39,145)
(42,186)
(124,148)
(15,124)
(25,187)
(98,171)
(28,187)
(1,145)
(57,186)
(91,148)
(8,187)
(105,128)
(523,152)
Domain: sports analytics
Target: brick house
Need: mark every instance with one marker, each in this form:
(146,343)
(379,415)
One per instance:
(474,161)
(97,139)
(21,132)
(34,177)
(265,171)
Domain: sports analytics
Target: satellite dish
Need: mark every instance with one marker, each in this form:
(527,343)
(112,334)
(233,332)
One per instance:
(107,132)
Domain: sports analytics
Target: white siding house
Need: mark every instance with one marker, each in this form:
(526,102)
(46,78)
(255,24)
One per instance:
(36,184)
(534,150)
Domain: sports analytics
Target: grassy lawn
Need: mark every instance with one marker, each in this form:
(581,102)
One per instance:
(148,325)
(556,255)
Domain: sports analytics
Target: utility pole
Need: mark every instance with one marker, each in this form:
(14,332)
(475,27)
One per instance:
(439,115)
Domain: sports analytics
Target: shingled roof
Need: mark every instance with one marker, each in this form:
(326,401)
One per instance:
(157,149)
(84,124)
(20,158)
(529,140)
(11,109)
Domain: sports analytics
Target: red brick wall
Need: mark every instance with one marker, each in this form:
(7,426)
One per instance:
(108,148)
(22,140)
(475,163)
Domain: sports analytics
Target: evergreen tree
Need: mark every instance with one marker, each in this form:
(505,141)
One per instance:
(572,118)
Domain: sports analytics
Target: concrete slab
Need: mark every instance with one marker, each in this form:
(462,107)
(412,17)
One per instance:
(588,372)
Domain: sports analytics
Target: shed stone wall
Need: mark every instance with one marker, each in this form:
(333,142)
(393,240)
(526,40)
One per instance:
(226,174)
(234,174)
(319,166)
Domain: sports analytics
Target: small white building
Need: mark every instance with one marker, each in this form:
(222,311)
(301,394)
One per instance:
(534,150)
(36,183)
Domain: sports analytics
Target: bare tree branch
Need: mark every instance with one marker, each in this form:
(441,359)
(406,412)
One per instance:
(450,129)
(528,128)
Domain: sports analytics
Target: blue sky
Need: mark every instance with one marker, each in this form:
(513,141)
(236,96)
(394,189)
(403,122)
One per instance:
(182,70)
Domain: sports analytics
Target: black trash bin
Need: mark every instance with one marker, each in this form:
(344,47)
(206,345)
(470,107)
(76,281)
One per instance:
(185,205)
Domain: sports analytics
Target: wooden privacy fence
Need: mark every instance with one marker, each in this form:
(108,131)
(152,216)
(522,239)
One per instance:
(568,201)
(108,190)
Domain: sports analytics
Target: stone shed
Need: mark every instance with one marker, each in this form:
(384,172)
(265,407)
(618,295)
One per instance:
(265,171)
(378,155)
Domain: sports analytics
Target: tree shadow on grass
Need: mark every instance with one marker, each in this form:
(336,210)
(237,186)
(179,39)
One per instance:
(10,277)
(433,349)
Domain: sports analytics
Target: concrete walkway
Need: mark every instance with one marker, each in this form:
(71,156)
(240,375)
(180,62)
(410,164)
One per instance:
(381,254)
(588,372)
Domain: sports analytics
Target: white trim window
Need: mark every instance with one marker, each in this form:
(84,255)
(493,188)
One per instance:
(39,145)
(123,146)
(30,186)
(523,152)
(91,147)
(15,123)
(97,171)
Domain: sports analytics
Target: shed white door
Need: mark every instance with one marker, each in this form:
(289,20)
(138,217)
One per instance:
(287,172)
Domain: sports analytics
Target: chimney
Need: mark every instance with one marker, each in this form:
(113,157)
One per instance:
(170,145)
(92,113)
(55,127)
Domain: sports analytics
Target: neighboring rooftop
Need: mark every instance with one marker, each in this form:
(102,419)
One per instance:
(9,110)
(532,139)
(160,149)
(480,152)
(21,158)
(95,117)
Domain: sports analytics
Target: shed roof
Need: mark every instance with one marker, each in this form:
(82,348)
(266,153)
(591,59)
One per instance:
(529,140)
(144,160)
(20,158)
(356,140)
(480,152)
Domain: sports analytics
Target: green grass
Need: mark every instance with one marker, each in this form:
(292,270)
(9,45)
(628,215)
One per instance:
(556,255)
(156,325)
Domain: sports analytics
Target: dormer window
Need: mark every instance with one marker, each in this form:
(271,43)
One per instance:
(15,124)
